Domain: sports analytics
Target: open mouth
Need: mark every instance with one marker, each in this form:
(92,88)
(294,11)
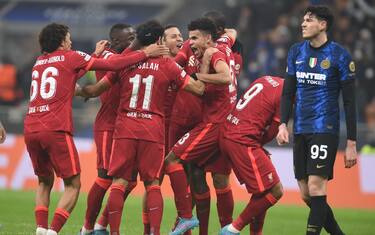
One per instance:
(179,45)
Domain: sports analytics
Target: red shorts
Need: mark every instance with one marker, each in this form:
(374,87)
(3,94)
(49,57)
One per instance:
(53,151)
(176,131)
(201,146)
(103,141)
(252,165)
(131,155)
(219,164)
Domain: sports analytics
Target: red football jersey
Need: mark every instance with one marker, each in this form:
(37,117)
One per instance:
(226,40)
(257,109)
(143,90)
(52,88)
(110,99)
(219,100)
(187,108)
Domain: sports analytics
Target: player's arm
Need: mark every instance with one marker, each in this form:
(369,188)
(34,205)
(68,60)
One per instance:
(206,60)
(193,85)
(118,62)
(95,90)
(347,83)
(221,75)
(271,131)
(3,133)
(232,34)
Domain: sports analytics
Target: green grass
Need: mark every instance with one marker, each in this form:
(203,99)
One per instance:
(17,217)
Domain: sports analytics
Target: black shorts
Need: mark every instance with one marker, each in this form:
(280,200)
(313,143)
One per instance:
(314,154)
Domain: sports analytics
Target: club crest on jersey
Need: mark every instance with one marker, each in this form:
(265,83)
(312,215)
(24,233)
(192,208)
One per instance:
(325,64)
(312,62)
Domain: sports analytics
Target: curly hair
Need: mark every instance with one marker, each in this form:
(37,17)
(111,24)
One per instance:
(205,25)
(51,37)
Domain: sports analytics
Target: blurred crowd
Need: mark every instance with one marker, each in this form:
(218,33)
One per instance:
(267,29)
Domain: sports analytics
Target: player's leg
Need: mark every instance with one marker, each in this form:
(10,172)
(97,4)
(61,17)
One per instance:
(42,200)
(103,141)
(150,161)
(121,168)
(253,167)
(100,228)
(322,149)
(64,159)
(66,203)
(202,197)
(43,169)
(224,195)
(221,169)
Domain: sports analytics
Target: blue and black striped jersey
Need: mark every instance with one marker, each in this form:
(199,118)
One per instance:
(319,73)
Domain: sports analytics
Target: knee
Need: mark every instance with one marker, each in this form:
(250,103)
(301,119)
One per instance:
(306,198)
(220,181)
(277,191)
(73,183)
(171,158)
(317,186)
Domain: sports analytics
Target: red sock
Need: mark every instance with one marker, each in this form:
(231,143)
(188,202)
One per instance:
(203,204)
(256,224)
(41,216)
(115,205)
(256,206)
(154,208)
(103,220)
(225,205)
(59,219)
(131,185)
(179,185)
(94,201)
(146,222)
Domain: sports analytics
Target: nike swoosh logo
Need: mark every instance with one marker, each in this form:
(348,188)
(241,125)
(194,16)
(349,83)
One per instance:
(299,62)
(320,166)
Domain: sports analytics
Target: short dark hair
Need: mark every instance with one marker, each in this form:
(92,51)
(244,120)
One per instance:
(322,13)
(206,25)
(119,26)
(51,37)
(168,26)
(218,18)
(149,32)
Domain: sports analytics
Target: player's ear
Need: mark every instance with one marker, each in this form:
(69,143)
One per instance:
(160,41)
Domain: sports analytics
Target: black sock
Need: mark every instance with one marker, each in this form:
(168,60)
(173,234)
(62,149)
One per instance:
(317,216)
(331,225)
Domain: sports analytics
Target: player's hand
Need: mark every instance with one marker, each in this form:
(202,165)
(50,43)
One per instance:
(3,134)
(100,46)
(350,158)
(155,50)
(206,60)
(283,135)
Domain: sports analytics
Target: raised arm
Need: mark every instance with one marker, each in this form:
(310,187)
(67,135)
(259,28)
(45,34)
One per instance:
(221,75)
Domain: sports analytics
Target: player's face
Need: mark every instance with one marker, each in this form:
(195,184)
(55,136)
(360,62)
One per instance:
(121,39)
(312,26)
(67,43)
(173,40)
(198,42)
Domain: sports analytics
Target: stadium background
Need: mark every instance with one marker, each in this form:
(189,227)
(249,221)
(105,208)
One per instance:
(266,28)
